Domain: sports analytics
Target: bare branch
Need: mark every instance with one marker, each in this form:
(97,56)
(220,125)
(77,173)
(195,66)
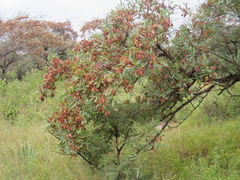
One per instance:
(170,116)
(163,52)
(232,95)
(231,77)
(195,107)
(125,39)
(125,139)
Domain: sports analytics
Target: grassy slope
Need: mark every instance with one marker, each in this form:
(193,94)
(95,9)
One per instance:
(199,149)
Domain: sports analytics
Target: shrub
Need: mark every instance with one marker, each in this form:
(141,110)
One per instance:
(130,72)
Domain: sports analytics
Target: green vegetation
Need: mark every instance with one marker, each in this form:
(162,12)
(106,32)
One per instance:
(201,152)
(120,95)
(27,150)
(205,147)
(132,70)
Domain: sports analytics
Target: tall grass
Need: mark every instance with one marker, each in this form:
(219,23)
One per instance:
(27,150)
(31,153)
(197,152)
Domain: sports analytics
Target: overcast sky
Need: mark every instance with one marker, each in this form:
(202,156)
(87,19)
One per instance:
(77,11)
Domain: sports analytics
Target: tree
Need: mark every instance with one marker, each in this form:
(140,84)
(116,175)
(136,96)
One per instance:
(132,70)
(23,37)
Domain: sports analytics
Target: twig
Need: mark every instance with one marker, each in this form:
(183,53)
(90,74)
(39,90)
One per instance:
(195,107)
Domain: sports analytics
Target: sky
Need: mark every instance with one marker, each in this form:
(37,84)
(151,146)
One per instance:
(77,11)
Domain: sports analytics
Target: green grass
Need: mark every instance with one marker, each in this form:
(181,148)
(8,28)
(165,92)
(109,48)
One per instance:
(27,150)
(206,152)
(205,147)
(31,153)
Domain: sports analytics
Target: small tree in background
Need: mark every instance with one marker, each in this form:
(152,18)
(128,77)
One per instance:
(132,70)
(28,41)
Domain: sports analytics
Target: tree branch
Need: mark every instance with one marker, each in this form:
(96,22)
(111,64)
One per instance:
(10,51)
(170,116)
(163,52)
(125,139)
(194,108)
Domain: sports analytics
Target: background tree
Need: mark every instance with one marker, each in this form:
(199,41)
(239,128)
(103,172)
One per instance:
(23,38)
(132,70)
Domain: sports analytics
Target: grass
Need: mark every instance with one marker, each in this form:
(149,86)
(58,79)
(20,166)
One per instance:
(27,150)
(31,153)
(203,152)
(205,147)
